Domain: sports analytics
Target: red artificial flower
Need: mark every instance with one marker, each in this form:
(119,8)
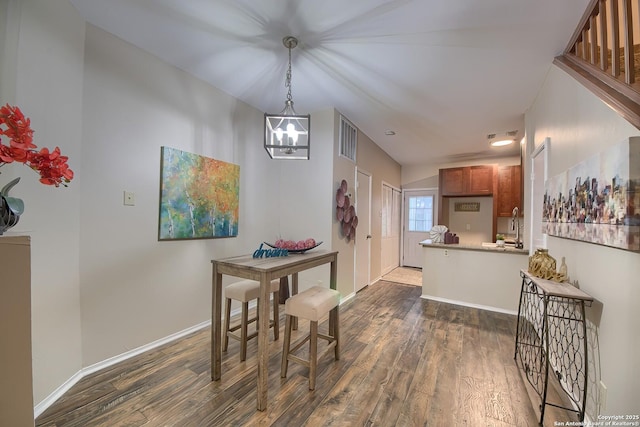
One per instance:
(52,166)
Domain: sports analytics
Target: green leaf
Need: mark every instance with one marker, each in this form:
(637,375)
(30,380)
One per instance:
(5,190)
(15,205)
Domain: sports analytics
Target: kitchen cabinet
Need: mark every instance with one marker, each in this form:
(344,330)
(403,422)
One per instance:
(452,182)
(509,190)
(467,181)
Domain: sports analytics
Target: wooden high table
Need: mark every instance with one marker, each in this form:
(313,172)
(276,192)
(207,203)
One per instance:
(263,270)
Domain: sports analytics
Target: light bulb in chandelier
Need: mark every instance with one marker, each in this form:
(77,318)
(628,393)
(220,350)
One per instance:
(279,134)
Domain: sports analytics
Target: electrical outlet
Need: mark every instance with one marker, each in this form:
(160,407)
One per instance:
(446,252)
(468,227)
(602,392)
(319,282)
(129,198)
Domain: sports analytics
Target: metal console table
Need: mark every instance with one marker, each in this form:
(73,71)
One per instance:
(551,336)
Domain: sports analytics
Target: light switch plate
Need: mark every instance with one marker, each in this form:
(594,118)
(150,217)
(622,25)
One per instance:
(129,198)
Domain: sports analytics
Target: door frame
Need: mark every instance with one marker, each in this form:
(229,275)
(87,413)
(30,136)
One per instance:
(403,223)
(541,150)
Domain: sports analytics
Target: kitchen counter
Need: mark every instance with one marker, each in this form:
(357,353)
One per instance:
(485,247)
(473,275)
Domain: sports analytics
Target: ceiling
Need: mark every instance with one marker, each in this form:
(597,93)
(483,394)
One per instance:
(442,74)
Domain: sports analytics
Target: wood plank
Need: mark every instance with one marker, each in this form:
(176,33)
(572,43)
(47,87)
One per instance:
(405,361)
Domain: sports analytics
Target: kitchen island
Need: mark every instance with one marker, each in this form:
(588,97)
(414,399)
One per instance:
(474,275)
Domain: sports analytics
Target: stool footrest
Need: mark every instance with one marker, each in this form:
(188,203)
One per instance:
(303,341)
(239,325)
(251,335)
(238,338)
(299,344)
(297,359)
(327,337)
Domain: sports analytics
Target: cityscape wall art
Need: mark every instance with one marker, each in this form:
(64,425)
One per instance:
(597,200)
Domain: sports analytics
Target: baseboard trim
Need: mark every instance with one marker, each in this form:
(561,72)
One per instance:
(57,394)
(468,304)
(347,298)
(60,391)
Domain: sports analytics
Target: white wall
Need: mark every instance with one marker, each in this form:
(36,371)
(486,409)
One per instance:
(304,195)
(135,289)
(43,75)
(134,104)
(102,283)
(580,125)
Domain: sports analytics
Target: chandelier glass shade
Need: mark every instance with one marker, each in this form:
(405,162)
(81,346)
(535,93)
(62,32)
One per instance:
(287,134)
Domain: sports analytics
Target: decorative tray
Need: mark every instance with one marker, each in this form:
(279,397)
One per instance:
(294,251)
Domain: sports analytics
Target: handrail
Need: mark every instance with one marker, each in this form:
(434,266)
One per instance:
(601,54)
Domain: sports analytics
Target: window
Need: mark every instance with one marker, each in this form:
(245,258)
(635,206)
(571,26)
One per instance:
(420,213)
(348,139)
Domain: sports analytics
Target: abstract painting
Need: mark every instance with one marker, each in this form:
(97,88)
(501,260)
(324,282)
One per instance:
(598,200)
(199,196)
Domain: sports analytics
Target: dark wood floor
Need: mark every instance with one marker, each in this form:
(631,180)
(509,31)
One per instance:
(405,361)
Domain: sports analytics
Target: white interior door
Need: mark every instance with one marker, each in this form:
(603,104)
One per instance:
(363,231)
(391,228)
(420,207)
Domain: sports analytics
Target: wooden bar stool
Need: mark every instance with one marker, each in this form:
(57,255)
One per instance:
(312,304)
(245,291)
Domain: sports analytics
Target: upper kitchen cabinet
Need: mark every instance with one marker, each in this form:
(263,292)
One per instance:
(509,190)
(452,182)
(467,181)
(480,180)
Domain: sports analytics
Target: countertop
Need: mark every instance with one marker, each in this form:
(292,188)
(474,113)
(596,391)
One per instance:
(475,247)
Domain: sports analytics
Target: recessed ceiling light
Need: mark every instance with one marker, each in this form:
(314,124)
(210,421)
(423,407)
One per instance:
(506,138)
(389,132)
(501,143)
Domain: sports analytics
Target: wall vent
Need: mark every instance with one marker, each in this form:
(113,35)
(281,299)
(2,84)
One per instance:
(348,139)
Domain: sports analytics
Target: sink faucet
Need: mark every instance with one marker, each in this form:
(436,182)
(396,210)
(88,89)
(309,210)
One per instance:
(515,225)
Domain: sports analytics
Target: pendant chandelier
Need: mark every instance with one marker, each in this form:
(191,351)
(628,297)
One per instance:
(287,134)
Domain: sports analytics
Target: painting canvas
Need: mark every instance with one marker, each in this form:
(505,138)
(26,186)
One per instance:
(596,200)
(199,196)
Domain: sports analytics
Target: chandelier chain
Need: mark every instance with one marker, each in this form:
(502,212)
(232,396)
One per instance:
(288,77)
